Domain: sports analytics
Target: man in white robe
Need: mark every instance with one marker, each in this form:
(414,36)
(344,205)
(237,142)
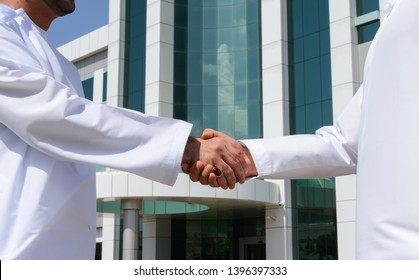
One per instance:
(51,138)
(376,137)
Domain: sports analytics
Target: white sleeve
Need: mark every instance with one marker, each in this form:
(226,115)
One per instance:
(331,152)
(52,118)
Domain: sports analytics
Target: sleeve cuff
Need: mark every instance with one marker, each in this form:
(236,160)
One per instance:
(260,156)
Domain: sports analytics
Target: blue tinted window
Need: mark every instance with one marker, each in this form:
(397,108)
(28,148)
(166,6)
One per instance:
(181,19)
(225,17)
(297,19)
(310,108)
(327,113)
(240,38)
(180,95)
(195,114)
(88,88)
(253,36)
(182,39)
(253,69)
(314,116)
(300,120)
(210,17)
(225,39)
(311,46)
(366,6)
(324,42)
(219,49)
(105,86)
(312,81)
(367,32)
(135,65)
(240,67)
(180,73)
(324,14)
(297,50)
(195,40)
(226,95)
(310,16)
(240,95)
(210,69)
(239,14)
(253,92)
(255,118)
(298,95)
(326,79)
(210,95)
(194,95)
(194,69)
(210,116)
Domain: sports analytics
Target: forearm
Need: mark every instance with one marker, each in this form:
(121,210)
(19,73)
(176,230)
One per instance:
(300,156)
(53,119)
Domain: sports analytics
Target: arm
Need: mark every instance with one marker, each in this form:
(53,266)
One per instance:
(52,118)
(47,111)
(332,151)
(55,119)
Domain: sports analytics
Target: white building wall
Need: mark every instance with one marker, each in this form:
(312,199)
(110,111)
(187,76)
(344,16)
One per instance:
(159,58)
(276,118)
(98,86)
(116,52)
(111,236)
(345,82)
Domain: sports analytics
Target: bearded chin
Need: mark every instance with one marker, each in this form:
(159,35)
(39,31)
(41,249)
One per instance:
(65,7)
(69,10)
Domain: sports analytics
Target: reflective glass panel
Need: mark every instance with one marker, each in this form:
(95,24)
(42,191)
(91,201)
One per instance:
(314,210)
(219,49)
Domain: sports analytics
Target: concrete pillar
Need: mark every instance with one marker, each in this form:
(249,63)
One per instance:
(156,238)
(116,53)
(277,233)
(159,58)
(275,68)
(110,236)
(130,208)
(346,79)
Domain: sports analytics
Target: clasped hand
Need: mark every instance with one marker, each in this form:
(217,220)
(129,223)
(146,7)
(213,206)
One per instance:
(217,160)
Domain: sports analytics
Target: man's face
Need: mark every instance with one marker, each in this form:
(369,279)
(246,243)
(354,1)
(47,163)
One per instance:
(61,7)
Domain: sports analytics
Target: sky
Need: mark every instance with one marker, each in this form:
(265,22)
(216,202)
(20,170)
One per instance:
(88,16)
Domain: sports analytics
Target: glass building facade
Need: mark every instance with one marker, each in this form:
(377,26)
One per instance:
(366,31)
(314,215)
(134,96)
(217,66)
(217,84)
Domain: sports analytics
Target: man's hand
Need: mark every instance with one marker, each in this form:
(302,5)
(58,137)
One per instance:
(216,159)
(204,159)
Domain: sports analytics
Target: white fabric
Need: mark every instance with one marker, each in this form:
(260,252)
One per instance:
(376,137)
(50,140)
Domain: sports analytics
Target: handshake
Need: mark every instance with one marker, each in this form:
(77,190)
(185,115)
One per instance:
(217,160)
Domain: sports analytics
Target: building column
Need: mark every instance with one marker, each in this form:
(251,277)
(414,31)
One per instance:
(131,208)
(277,247)
(276,107)
(110,236)
(98,86)
(346,79)
(156,238)
(116,52)
(275,68)
(159,58)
